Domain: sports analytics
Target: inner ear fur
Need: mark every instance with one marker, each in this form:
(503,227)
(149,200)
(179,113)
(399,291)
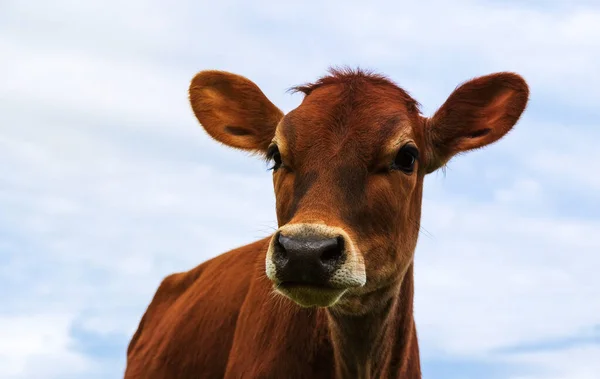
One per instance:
(478,113)
(233,110)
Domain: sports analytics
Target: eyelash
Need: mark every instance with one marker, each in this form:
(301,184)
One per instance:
(274,155)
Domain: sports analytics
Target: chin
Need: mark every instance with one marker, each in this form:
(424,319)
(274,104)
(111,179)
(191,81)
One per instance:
(308,296)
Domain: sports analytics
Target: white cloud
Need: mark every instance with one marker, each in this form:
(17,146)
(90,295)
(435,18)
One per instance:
(571,363)
(38,346)
(501,279)
(524,191)
(72,81)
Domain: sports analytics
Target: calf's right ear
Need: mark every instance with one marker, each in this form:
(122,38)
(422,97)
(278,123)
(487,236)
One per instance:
(233,110)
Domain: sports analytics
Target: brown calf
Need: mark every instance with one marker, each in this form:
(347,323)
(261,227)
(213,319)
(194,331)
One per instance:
(330,293)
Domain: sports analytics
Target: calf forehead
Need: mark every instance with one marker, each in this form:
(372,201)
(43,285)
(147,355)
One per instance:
(347,120)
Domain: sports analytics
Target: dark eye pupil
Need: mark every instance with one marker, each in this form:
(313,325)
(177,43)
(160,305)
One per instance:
(276,158)
(405,160)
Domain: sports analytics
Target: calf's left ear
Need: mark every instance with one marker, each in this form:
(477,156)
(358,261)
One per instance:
(476,114)
(233,110)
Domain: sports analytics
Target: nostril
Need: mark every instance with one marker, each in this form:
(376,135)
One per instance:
(333,251)
(341,243)
(331,254)
(279,248)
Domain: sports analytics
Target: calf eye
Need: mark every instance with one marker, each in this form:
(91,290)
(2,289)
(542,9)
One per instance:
(405,159)
(274,155)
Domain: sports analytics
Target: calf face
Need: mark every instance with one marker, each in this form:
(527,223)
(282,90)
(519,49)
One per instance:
(348,168)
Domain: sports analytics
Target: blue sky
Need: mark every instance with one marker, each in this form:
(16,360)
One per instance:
(109,184)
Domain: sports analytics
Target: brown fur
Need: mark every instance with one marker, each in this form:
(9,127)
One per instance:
(223,319)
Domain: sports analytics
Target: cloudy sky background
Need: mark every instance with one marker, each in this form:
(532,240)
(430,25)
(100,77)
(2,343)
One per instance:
(108,184)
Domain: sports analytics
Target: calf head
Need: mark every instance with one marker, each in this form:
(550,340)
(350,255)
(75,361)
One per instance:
(348,168)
